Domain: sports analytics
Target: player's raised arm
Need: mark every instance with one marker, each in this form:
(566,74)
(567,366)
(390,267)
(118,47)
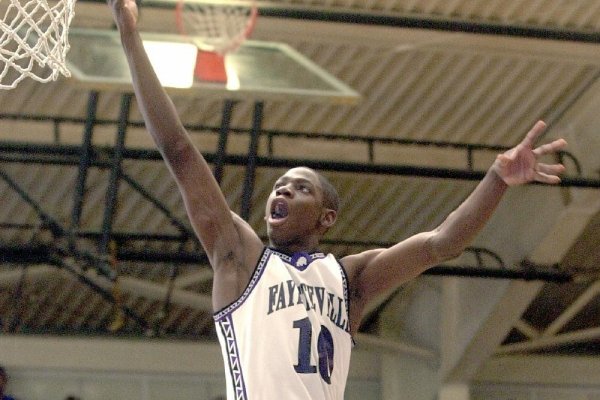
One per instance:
(375,271)
(224,238)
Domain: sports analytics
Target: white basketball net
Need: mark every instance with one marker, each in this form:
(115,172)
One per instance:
(34,40)
(220,27)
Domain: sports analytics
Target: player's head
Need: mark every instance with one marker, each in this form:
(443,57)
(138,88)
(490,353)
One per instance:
(302,206)
(331,198)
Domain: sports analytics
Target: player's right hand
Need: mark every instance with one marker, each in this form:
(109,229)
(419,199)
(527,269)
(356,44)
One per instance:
(125,13)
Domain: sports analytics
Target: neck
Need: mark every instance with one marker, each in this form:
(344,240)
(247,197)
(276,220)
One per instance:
(291,248)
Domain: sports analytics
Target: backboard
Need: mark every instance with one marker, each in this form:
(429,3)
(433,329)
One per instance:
(257,70)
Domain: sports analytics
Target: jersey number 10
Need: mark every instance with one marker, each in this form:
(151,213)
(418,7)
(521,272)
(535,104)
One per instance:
(324,347)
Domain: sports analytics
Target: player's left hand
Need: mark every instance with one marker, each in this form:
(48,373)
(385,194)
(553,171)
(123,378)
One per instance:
(520,164)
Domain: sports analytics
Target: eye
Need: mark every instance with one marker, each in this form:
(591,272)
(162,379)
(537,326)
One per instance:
(303,188)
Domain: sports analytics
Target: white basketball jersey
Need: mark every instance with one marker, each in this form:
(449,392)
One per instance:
(288,336)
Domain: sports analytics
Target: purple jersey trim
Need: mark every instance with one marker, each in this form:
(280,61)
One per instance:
(345,282)
(260,268)
(300,261)
(233,358)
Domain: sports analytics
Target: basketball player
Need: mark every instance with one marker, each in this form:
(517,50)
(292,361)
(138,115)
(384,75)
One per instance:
(285,313)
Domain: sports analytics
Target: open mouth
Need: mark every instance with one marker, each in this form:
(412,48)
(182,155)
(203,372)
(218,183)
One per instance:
(279,210)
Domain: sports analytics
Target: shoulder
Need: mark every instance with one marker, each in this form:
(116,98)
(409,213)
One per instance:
(235,268)
(354,263)
(248,236)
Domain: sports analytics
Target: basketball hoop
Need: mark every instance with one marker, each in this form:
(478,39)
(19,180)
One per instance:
(34,40)
(217,28)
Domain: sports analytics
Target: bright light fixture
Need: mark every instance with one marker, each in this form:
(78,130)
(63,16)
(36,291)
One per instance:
(173,62)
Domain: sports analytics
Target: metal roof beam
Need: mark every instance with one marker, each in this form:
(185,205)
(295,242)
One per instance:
(226,115)
(268,162)
(399,19)
(115,174)
(84,165)
(430,22)
(251,161)
(576,336)
(39,254)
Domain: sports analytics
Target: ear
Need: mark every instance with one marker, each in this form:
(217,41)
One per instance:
(328,218)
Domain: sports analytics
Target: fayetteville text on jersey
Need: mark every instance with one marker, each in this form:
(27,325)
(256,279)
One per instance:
(287,294)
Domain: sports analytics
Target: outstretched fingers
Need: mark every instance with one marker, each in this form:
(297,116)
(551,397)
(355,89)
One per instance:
(533,134)
(551,147)
(520,164)
(548,173)
(551,169)
(546,178)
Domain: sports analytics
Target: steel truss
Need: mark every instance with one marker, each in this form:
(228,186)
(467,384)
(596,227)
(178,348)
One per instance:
(88,156)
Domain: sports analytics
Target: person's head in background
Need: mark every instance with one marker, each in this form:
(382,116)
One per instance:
(3,381)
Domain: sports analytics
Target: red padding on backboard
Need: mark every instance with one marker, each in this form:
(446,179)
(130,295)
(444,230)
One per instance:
(210,67)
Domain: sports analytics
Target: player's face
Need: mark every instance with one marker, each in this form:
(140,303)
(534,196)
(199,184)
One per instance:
(294,208)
